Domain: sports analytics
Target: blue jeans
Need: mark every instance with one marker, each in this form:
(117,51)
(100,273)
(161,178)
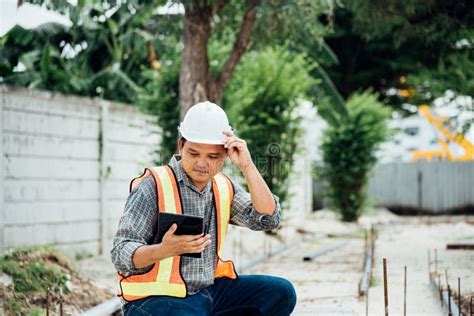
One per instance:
(246,295)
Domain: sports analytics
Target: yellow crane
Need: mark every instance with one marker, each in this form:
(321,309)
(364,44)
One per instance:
(449,134)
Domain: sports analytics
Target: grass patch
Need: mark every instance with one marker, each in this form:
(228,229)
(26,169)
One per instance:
(83,255)
(33,270)
(13,306)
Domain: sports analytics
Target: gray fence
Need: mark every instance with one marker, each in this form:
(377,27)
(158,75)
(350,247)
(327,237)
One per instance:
(421,187)
(65,166)
(435,187)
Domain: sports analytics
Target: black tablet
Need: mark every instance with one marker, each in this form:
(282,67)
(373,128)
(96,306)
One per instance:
(187,225)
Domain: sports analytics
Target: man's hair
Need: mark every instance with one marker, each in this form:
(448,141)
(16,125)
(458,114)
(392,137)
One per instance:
(183,140)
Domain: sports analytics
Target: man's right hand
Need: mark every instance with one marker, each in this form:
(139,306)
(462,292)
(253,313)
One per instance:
(174,245)
(171,245)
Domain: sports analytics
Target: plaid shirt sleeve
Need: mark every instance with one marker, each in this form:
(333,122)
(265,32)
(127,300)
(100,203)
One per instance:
(244,214)
(136,226)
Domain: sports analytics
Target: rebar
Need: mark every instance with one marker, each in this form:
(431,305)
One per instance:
(449,301)
(446,275)
(405,294)
(429,263)
(472,314)
(47,302)
(61,302)
(459,295)
(385,286)
(367,300)
(440,290)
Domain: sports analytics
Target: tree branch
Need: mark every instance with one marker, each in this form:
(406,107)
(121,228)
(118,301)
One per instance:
(241,45)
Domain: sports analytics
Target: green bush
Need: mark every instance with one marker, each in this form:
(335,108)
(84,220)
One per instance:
(260,100)
(348,150)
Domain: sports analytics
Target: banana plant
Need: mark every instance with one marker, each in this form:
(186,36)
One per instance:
(101,54)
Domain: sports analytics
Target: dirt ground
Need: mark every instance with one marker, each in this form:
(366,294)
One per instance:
(406,243)
(329,284)
(78,294)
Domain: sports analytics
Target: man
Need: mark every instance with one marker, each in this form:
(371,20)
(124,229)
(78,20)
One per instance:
(154,278)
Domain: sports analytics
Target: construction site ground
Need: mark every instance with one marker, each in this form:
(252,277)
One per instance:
(329,284)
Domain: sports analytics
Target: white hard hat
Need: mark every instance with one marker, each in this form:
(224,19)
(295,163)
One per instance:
(205,123)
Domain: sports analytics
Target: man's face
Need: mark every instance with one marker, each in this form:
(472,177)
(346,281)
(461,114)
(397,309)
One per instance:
(201,162)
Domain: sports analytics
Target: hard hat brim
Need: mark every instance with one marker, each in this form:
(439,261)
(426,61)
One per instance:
(205,141)
(198,140)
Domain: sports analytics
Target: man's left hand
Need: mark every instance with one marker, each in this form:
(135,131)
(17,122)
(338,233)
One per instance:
(237,151)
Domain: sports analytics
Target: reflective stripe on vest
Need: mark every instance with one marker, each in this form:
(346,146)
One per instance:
(223,195)
(165,276)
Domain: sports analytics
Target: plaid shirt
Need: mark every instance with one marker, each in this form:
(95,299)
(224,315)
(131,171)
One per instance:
(138,224)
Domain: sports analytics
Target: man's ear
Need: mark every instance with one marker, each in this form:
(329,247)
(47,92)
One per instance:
(180,146)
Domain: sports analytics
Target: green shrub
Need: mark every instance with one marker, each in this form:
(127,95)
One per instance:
(348,150)
(260,100)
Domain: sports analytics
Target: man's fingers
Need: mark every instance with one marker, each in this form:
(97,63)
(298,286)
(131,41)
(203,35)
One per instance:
(236,144)
(230,140)
(200,248)
(171,231)
(190,238)
(200,241)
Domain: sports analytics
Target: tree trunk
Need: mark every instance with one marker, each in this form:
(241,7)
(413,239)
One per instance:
(196,82)
(195,78)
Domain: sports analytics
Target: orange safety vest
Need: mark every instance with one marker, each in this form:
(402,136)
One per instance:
(165,277)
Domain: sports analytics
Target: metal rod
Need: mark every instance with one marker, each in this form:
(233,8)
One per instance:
(446,275)
(366,238)
(331,247)
(472,314)
(405,294)
(429,262)
(440,290)
(277,252)
(373,238)
(367,304)
(365,282)
(459,296)
(446,299)
(47,302)
(449,301)
(61,301)
(385,286)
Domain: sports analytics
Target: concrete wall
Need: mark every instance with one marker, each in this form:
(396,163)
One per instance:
(66,163)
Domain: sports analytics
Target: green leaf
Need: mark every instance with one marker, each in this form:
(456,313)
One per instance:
(29,59)
(113,27)
(44,63)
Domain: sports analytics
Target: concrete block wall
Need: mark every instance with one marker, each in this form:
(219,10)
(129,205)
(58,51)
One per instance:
(65,166)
